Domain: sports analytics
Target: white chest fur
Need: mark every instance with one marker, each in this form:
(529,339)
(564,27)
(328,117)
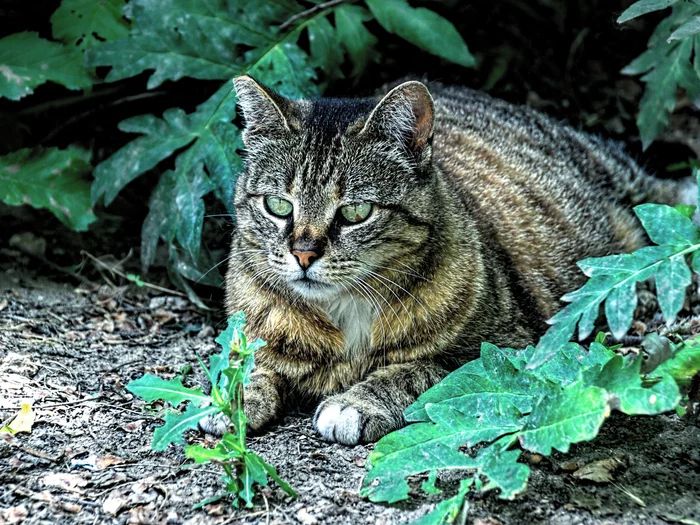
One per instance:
(354,318)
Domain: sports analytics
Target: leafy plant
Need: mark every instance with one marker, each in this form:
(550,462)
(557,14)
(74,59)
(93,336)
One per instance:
(613,279)
(49,178)
(497,402)
(672,61)
(228,372)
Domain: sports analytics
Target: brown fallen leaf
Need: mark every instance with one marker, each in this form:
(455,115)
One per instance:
(14,515)
(133,426)
(64,481)
(599,471)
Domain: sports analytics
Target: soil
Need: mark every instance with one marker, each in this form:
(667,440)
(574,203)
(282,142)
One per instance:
(70,350)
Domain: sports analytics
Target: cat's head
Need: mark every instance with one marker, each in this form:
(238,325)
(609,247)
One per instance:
(335,191)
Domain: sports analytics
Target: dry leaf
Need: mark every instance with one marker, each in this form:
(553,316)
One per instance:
(599,471)
(64,481)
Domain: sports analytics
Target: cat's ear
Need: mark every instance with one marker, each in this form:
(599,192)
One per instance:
(407,114)
(266,113)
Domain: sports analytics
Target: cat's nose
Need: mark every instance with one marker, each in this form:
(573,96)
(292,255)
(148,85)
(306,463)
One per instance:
(305,258)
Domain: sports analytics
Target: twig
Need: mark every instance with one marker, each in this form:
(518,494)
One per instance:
(121,274)
(75,402)
(319,7)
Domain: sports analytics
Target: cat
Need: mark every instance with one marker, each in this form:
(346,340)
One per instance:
(379,242)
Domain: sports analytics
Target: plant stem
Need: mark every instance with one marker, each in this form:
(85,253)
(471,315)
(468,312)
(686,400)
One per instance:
(319,7)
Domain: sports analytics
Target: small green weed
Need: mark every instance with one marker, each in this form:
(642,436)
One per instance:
(228,372)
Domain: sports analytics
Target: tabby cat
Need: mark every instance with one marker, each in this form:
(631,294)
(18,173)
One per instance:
(379,242)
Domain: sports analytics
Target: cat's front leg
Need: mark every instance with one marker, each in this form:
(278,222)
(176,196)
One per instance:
(262,401)
(374,407)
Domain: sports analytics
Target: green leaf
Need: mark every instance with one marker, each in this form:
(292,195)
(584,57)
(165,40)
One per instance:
(151,388)
(88,23)
(623,382)
(272,472)
(176,424)
(642,7)
(573,415)
(253,472)
(49,178)
(672,279)
(685,210)
(684,365)
(480,384)
(428,486)
(449,510)
(423,28)
(502,469)
(27,61)
(689,28)
(619,308)
(353,34)
(667,226)
(201,454)
(325,52)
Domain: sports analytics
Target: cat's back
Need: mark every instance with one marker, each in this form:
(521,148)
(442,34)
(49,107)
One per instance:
(548,193)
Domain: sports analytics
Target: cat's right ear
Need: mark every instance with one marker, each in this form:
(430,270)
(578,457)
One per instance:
(266,113)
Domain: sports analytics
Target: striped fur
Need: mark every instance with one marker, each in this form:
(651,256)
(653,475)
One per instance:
(482,209)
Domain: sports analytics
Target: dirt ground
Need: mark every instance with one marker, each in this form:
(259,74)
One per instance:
(70,350)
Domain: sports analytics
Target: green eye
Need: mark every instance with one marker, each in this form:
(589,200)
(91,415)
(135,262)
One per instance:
(355,213)
(277,206)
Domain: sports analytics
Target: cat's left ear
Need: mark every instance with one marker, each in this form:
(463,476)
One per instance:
(406,113)
(266,113)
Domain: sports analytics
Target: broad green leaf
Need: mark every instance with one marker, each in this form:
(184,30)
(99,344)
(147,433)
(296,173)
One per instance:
(672,279)
(642,7)
(568,363)
(353,34)
(177,38)
(447,511)
(479,384)
(49,178)
(667,226)
(623,382)
(151,388)
(428,486)
(176,424)
(87,23)
(417,448)
(619,308)
(325,52)
(423,28)
(689,28)
(27,61)
(572,416)
(685,210)
(684,365)
(502,469)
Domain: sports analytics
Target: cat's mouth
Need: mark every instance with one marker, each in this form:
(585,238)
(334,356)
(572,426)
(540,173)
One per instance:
(311,288)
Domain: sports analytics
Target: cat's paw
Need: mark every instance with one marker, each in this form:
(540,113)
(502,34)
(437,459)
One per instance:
(216,424)
(347,420)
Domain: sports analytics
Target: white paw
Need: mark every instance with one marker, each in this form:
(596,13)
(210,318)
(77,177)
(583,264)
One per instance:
(338,423)
(214,425)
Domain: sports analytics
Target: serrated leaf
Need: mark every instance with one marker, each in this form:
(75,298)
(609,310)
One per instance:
(623,382)
(27,61)
(449,510)
(176,424)
(87,23)
(572,416)
(201,454)
(272,472)
(667,226)
(619,308)
(151,388)
(684,365)
(423,28)
(479,384)
(253,472)
(502,469)
(353,34)
(642,7)
(325,52)
(672,279)
(49,178)
(688,28)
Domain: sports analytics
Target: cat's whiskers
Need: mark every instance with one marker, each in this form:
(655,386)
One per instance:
(373,304)
(403,305)
(378,294)
(418,301)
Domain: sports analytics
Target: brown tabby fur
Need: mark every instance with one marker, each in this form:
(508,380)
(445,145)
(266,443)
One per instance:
(486,208)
